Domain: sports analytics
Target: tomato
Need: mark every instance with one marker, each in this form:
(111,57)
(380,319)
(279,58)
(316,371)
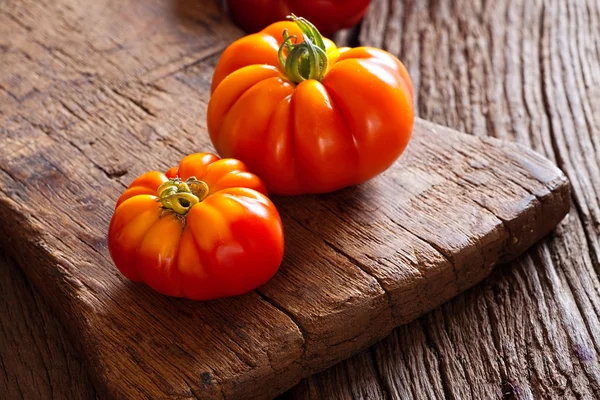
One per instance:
(205,231)
(308,117)
(328,16)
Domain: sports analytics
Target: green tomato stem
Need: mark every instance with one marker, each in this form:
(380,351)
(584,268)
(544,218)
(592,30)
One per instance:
(305,60)
(181,196)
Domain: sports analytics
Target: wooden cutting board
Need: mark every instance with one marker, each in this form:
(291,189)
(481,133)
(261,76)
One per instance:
(93,95)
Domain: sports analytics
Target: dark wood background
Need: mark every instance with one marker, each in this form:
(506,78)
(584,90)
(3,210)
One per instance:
(526,71)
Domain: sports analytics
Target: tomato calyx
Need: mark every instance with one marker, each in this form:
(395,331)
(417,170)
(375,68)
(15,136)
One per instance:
(305,60)
(180,196)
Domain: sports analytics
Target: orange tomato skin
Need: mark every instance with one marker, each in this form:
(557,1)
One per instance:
(231,242)
(311,137)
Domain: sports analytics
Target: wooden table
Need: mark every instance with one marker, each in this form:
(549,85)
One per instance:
(527,71)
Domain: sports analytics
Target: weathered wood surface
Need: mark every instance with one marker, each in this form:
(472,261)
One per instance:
(86,95)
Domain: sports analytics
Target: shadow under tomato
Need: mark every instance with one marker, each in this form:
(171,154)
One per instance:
(176,328)
(358,203)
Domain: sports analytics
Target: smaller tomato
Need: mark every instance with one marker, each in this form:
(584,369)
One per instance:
(204,230)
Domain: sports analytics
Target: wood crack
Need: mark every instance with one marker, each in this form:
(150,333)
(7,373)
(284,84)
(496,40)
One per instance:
(303,333)
(447,256)
(193,393)
(17,21)
(109,174)
(365,269)
(152,76)
(10,94)
(443,373)
(381,382)
(135,102)
(495,329)
(8,173)
(69,110)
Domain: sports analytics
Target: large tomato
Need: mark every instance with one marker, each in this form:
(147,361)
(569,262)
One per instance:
(306,116)
(205,231)
(327,15)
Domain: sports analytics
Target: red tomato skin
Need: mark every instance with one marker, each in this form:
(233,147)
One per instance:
(328,16)
(231,242)
(310,137)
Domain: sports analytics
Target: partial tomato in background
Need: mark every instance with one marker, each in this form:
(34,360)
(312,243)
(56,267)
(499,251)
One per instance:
(328,16)
(204,231)
(306,116)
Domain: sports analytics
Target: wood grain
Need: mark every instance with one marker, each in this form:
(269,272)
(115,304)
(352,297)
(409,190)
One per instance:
(529,72)
(37,359)
(88,109)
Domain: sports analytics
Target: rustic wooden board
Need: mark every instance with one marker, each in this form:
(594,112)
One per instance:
(86,110)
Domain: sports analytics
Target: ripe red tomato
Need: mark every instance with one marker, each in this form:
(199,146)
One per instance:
(328,16)
(205,231)
(306,116)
